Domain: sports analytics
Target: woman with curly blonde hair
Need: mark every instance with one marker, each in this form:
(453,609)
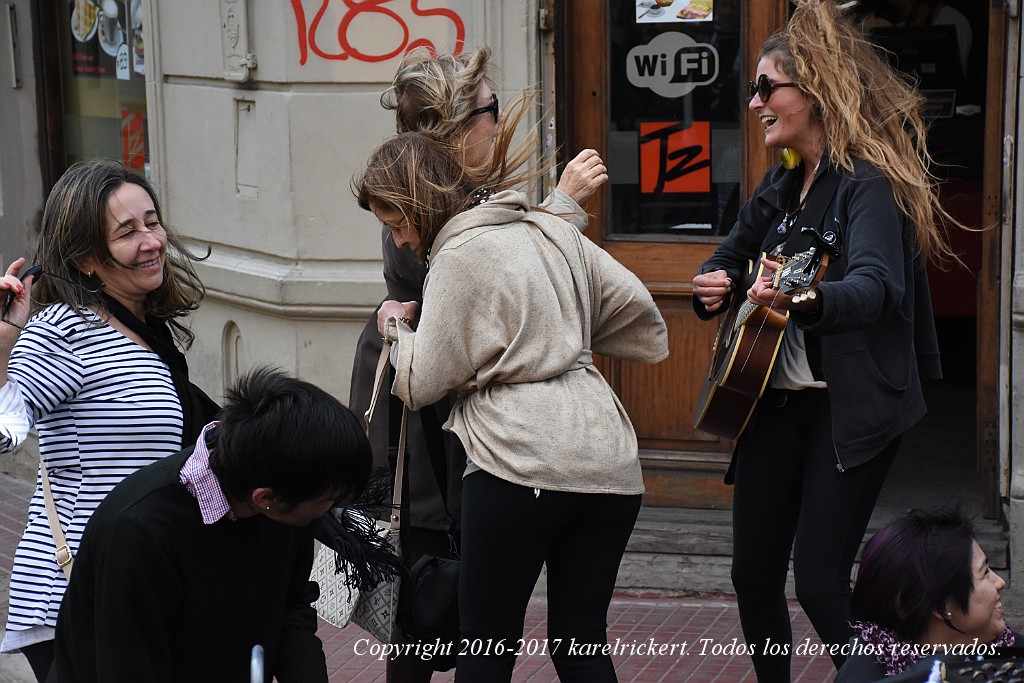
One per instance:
(846,383)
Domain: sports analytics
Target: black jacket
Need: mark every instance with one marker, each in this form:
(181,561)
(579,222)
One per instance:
(404,274)
(157,595)
(874,325)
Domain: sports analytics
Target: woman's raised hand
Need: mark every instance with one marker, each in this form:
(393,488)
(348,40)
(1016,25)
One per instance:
(15,296)
(583,175)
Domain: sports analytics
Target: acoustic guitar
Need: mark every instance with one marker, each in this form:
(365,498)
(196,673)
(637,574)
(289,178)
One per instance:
(747,344)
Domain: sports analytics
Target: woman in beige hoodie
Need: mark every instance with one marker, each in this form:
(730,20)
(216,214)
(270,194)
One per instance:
(449,98)
(515,304)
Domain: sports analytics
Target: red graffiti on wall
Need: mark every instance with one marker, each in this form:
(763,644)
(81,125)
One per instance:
(308,32)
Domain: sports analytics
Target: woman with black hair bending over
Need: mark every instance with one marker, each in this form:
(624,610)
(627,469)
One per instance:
(923,588)
(96,370)
(846,383)
(515,304)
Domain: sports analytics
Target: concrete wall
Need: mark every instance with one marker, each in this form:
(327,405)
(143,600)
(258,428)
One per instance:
(257,162)
(21,189)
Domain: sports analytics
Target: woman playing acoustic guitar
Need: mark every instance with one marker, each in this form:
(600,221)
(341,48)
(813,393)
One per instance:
(846,383)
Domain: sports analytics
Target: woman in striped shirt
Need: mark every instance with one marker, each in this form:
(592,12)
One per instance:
(96,370)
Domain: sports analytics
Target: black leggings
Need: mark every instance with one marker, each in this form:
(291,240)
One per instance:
(790,495)
(508,533)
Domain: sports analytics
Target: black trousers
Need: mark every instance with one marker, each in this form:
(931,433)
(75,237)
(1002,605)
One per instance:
(508,533)
(40,657)
(790,496)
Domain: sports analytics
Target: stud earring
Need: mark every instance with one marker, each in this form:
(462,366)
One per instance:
(268,508)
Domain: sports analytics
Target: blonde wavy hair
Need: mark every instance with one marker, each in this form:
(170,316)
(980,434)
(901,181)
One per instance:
(422,178)
(867,110)
(436,94)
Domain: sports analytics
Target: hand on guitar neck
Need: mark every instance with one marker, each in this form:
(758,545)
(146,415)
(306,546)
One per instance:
(766,292)
(712,288)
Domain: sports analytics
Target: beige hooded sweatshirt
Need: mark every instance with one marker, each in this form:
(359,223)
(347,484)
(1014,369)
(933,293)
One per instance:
(515,303)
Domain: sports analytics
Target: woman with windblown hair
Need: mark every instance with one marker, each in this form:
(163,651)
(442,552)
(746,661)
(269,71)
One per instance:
(91,358)
(846,384)
(449,98)
(515,304)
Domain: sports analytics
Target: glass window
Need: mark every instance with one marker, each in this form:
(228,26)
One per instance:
(103,77)
(675,147)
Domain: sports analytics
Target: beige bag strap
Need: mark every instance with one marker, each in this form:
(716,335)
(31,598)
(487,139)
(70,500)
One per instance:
(378,385)
(378,382)
(63,552)
(396,496)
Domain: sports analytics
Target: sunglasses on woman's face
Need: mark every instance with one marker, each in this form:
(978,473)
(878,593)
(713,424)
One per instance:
(764,87)
(492,108)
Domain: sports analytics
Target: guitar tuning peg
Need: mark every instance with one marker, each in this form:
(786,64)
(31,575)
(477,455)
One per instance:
(811,295)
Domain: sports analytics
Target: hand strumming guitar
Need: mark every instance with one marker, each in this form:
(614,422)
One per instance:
(712,288)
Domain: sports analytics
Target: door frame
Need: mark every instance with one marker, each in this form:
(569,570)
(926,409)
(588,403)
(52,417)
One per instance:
(582,122)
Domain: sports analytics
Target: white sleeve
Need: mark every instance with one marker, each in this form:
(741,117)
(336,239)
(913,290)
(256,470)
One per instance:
(393,355)
(15,420)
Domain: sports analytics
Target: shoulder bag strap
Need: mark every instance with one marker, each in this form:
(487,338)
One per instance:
(396,496)
(378,385)
(63,552)
(378,382)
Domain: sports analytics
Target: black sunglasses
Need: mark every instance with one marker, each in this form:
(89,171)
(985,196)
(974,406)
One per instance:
(764,87)
(492,108)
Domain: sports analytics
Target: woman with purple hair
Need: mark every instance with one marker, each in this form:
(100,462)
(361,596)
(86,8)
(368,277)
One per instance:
(924,588)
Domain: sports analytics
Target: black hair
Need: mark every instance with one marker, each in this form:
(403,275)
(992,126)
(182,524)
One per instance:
(290,436)
(911,568)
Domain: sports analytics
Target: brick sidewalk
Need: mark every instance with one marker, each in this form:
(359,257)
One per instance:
(635,620)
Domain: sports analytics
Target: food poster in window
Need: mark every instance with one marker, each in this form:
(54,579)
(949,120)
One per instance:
(670,11)
(675,107)
(136,40)
(99,39)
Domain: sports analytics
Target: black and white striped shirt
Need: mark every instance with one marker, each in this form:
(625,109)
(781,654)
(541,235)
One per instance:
(103,407)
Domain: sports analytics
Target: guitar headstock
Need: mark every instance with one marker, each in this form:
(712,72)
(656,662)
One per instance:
(800,272)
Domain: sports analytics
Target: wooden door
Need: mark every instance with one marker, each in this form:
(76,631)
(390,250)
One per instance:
(662,225)
(990,349)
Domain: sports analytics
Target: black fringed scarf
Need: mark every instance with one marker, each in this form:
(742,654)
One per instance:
(197,409)
(361,552)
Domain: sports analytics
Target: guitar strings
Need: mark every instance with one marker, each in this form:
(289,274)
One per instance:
(759,328)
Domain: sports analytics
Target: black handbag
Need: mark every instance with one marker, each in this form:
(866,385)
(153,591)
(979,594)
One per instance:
(431,613)
(428,609)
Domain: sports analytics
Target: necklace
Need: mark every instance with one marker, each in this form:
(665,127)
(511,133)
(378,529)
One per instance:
(481,195)
(790,219)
